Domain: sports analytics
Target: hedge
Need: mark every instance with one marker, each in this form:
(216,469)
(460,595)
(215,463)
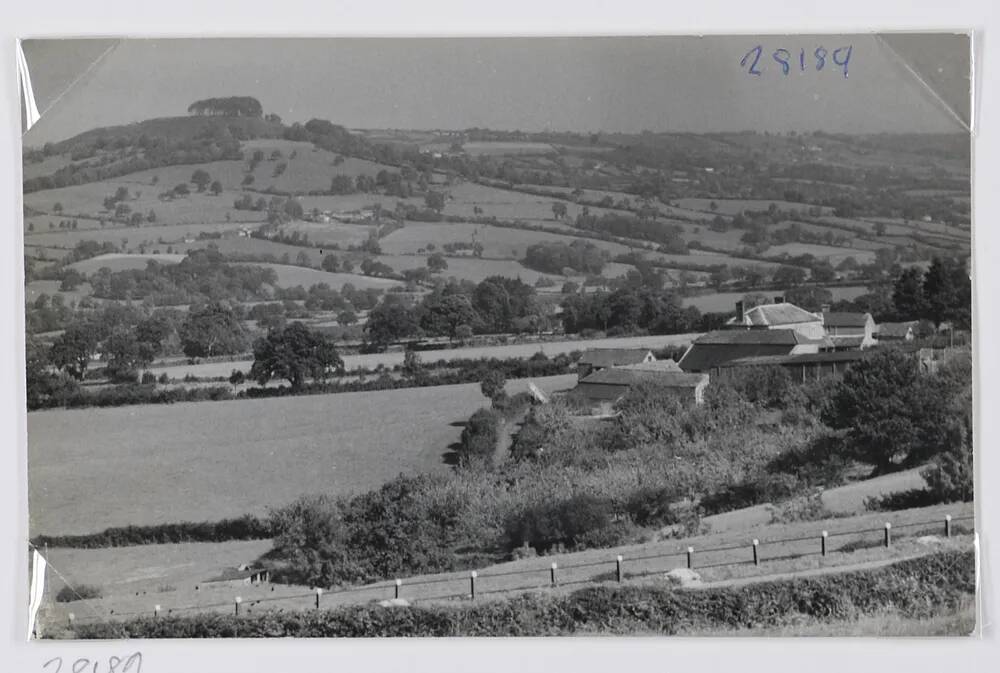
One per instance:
(915,588)
(242,528)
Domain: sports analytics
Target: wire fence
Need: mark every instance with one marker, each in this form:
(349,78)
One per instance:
(473,584)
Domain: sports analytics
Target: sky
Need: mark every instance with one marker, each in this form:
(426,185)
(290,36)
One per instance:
(626,84)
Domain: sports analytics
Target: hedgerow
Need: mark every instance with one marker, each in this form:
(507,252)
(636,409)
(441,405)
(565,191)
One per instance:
(914,588)
(242,528)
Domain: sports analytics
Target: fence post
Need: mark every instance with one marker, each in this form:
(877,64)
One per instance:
(823,537)
(156,611)
(690,552)
(237,602)
(552,573)
(947,525)
(618,564)
(472,584)
(399,583)
(72,618)
(756,558)
(319,592)
(888,535)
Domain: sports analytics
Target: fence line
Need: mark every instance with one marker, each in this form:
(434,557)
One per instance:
(552,574)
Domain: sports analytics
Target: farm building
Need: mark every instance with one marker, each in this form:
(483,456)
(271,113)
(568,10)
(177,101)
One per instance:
(897,331)
(604,387)
(716,349)
(802,367)
(244,575)
(849,330)
(596,359)
(778,316)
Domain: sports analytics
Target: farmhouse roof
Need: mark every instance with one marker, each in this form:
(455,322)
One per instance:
(848,341)
(845,319)
(895,329)
(654,366)
(619,376)
(798,358)
(769,315)
(612,357)
(788,337)
(715,349)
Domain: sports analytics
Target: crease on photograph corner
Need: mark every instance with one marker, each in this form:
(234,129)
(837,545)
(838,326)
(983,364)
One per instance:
(31,113)
(963,112)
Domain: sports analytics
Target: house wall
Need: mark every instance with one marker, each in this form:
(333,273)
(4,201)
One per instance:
(810,330)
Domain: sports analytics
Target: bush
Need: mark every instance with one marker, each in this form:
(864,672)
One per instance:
(148,378)
(946,580)
(80,592)
(579,522)
(479,437)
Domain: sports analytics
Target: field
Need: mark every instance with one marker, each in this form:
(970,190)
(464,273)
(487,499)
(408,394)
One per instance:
(95,468)
(497,242)
(500,147)
(391,359)
(290,276)
(834,255)
(736,206)
(122,262)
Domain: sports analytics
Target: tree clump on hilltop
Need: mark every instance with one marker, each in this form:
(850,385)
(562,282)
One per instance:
(230,106)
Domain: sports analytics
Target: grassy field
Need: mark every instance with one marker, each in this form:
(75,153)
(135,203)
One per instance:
(290,276)
(122,262)
(150,235)
(736,206)
(95,468)
(373,360)
(500,147)
(499,242)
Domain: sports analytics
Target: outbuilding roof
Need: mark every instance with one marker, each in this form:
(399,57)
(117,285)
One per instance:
(626,377)
(845,319)
(612,357)
(769,315)
(895,329)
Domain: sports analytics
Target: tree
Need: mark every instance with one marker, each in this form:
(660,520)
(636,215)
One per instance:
(948,292)
(893,415)
(789,276)
(391,321)
(302,259)
(330,263)
(347,317)
(445,314)
(73,349)
(908,295)
(435,201)
(437,263)
(212,329)
(413,368)
(880,229)
(216,187)
(559,210)
(492,385)
(295,353)
(200,179)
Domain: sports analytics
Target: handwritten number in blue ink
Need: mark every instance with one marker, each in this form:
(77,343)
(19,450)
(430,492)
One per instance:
(781,56)
(820,55)
(846,58)
(756,51)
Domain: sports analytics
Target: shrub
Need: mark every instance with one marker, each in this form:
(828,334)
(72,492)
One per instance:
(148,378)
(80,592)
(580,521)
(479,437)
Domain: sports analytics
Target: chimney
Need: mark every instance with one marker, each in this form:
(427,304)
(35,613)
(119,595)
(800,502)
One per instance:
(779,299)
(739,311)
(824,308)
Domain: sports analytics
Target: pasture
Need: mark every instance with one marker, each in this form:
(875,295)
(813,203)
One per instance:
(95,468)
(737,206)
(498,147)
(497,242)
(122,262)
(290,276)
(132,237)
(393,358)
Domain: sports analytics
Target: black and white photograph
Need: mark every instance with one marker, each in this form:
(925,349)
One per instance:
(360,337)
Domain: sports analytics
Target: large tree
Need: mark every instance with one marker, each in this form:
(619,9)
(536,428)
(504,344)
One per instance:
(391,321)
(948,292)
(295,353)
(908,294)
(212,329)
(74,348)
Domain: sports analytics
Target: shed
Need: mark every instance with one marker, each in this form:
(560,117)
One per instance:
(241,576)
(602,358)
(606,386)
(715,349)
